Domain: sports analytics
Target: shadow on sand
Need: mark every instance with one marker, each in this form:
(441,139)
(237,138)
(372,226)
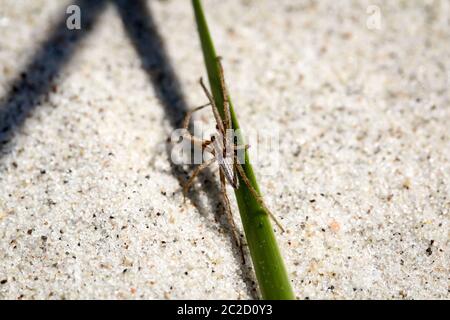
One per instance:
(37,80)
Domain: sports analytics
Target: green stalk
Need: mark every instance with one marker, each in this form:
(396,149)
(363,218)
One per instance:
(267,261)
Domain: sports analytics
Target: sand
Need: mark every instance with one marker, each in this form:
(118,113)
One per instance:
(90,203)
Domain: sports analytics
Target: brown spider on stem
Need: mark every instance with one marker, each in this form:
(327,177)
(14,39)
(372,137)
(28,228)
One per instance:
(223,146)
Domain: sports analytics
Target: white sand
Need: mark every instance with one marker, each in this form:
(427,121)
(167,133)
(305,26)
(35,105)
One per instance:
(90,205)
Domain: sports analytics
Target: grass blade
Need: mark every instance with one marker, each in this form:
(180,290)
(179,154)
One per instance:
(267,261)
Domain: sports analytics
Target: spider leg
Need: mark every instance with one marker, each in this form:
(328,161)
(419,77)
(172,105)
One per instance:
(256,195)
(187,117)
(203,144)
(215,110)
(187,135)
(197,170)
(226,100)
(229,214)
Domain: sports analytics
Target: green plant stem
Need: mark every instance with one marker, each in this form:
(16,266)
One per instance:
(267,261)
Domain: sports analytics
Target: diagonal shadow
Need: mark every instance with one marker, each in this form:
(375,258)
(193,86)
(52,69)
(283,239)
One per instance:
(140,26)
(36,81)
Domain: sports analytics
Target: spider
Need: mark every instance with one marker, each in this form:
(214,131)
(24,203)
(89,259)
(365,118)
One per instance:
(223,147)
